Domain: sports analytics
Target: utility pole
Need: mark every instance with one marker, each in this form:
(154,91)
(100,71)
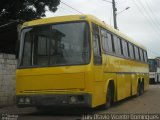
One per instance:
(114,14)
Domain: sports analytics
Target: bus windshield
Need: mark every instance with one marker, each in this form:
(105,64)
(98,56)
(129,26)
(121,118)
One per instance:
(152,65)
(55,45)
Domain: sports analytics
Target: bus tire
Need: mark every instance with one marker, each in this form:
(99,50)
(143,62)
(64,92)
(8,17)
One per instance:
(139,89)
(142,87)
(109,97)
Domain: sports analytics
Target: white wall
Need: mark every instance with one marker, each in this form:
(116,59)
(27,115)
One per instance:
(8,65)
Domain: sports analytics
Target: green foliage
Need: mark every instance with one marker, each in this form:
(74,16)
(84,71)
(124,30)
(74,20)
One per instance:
(25,9)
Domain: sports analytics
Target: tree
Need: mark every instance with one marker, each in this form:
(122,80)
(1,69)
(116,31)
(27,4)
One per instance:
(25,9)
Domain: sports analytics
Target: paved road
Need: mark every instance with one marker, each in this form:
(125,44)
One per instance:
(148,103)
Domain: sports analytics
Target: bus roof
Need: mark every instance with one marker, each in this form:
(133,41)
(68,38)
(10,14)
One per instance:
(68,18)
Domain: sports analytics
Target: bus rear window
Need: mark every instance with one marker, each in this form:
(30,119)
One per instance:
(152,65)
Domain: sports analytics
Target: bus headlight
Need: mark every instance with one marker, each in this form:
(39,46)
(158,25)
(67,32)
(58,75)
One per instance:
(27,100)
(73,99)
(21,100)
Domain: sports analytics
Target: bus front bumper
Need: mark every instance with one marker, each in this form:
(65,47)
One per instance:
(54,100)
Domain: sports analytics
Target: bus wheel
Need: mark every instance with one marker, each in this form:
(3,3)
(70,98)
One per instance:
(108,98)
(142,87)
(139,89)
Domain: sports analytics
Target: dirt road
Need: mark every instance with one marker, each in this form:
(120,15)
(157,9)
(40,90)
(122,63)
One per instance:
(148,103)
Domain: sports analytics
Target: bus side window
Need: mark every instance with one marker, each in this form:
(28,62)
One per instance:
(104,40)
(141,54)
(131,50)
(129,54)
(125,49)
(96,45)
(136,52)
(145,56)
(117,45)
(109,42)
(121,49)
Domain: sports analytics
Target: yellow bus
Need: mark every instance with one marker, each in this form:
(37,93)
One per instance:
(77,61)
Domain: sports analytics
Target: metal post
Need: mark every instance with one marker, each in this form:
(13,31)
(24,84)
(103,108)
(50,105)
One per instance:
(114,14)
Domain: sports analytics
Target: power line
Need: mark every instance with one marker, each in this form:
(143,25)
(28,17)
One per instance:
(114,12)
(107,1)
(148,14)
(155,53)
(111,16)
(64,9)
(145,17)
(152,11)
(71,7)
(122,2)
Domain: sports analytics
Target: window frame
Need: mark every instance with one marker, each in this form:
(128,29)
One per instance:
(97,58)
(19,66)
(113,53)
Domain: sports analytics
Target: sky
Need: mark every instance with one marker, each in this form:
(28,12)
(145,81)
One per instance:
(141,21)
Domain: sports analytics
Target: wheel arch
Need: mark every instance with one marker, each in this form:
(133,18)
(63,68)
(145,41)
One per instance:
(138,81)
(113,86)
